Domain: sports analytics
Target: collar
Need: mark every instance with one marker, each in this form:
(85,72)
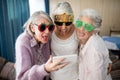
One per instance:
(33,43)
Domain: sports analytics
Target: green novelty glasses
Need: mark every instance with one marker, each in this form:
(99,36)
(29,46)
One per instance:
(87,27)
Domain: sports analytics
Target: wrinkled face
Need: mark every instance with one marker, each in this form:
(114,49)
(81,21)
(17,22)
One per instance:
(42,30)
(63,23)
(83,34)
(63,28)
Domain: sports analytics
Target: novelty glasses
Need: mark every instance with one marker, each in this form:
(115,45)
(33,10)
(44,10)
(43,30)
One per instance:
(87,27)
(61,23)
(42,27)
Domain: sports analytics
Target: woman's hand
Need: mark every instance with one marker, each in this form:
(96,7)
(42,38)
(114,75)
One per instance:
(50,66)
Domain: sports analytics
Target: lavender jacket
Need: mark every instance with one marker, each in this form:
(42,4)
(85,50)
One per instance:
(30,58)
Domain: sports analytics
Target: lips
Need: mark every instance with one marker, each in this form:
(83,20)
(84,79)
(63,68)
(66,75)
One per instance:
(81,34)
(45,37)
(63,32)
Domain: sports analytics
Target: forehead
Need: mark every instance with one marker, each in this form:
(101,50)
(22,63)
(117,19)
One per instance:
(86,19)
(42,20)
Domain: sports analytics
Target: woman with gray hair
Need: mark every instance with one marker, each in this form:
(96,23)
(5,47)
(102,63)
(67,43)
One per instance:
(64,42)
(33,51)
(94,55)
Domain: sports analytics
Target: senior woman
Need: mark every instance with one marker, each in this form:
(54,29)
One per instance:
(94,55)
(64,42)
(33,51)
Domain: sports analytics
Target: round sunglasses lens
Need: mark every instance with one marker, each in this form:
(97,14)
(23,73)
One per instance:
(68,23)
(42,27)
(51,27)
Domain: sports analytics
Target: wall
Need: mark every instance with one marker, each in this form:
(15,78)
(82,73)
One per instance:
(109,9)
(36,5)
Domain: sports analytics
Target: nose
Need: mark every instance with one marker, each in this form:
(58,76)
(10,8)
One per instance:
(63,26)
(46,30)
(81,28)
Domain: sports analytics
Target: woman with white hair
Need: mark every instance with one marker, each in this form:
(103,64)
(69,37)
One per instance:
(64,42)
(33,50)
(94,55)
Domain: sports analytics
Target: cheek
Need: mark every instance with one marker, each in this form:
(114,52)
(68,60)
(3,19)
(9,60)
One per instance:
(77,30)
(38,35)
(58,28)
(68,27)
(88,35)
(37,32)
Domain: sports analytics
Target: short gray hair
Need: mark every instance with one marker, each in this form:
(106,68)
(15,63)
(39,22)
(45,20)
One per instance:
(61,8)
(93,15)
(38,15)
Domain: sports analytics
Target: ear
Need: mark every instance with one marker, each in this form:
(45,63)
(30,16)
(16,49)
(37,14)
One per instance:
(32,28)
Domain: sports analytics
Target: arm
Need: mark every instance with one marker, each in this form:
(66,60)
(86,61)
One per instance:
(96,67)
(27,70)
(24,67)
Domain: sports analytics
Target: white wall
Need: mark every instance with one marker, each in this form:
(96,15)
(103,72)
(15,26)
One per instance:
(36,5)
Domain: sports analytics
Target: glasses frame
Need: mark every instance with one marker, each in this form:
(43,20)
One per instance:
(61,23)
(46,26)
(87,27)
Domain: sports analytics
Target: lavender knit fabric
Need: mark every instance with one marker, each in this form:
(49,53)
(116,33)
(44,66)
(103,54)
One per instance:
(30,58)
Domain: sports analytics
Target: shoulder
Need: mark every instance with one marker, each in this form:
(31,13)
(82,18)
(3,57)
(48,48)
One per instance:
(97,43)
(23,39)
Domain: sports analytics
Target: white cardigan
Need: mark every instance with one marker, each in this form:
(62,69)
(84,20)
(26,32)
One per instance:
(94,60)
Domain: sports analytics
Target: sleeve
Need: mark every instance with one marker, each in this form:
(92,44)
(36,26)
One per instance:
(25,70)
(95,66)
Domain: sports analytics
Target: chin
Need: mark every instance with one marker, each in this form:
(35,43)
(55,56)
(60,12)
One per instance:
(63,33)
(44,42)
(80,38)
